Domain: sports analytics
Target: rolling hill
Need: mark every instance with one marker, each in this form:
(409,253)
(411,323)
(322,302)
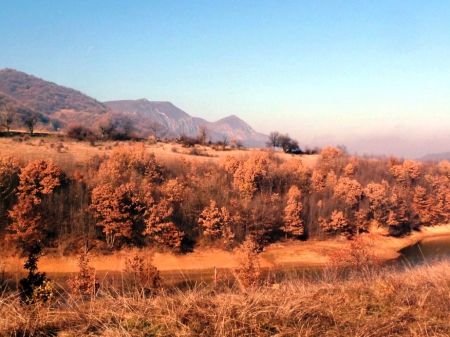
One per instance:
(57,107)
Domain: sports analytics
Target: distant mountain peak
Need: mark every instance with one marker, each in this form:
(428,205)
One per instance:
(177,121)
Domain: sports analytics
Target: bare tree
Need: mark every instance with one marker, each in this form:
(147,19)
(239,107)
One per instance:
(30,121)
(273,139)
(7,117)
(127,125)
(156,127)
(203,133)
(108,129)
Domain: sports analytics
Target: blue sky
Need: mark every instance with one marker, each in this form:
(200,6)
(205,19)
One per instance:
(373,75)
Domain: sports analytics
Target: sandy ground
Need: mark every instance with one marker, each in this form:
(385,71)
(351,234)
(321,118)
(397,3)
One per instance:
(280,255)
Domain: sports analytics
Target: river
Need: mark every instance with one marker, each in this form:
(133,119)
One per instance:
(427,250)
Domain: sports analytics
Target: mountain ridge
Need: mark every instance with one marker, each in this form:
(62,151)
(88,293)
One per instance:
(58,107)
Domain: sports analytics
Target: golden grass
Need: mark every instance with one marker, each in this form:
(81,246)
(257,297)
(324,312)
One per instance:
(412,302)
(67,152)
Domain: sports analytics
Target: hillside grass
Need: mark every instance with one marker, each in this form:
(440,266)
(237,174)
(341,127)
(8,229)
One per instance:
(377,302)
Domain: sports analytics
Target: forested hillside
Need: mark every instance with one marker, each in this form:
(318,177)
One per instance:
(130,198)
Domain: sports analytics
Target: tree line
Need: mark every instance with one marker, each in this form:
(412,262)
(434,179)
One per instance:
(130,198)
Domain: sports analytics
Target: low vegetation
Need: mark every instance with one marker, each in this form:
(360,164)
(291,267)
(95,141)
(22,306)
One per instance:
(394,303)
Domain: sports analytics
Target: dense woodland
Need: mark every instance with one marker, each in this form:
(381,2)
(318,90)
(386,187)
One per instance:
(131,199)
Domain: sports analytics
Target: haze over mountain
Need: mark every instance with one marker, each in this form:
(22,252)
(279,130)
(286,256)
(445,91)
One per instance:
(58,107)
(435,157)
(177,121)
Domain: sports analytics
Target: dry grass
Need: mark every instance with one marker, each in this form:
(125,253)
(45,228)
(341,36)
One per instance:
(385,303)
(67,152)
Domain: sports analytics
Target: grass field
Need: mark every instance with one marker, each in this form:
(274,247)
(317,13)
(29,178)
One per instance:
(411,302)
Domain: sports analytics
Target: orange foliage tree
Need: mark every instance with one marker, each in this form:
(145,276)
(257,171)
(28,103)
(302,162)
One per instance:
(37,179)
(216,223)
(159,226)
(292,213)
(115,209)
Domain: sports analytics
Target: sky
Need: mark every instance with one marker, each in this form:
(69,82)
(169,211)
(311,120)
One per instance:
(371,75)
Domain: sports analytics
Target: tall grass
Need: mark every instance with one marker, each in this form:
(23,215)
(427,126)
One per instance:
(386,302)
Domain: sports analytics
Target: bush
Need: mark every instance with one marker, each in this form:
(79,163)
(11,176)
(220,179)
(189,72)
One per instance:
(84,283)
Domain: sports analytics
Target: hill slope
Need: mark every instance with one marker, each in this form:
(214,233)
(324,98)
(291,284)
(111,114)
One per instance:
(177,121)
(58,106)
(43,96)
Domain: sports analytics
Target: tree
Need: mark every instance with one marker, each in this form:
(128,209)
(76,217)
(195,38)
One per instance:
(108,129)
(349,191)
(30,121)
(37,179)
(114,208)
(203,133)
(273,140)
(378,201)
(288,144)
(337,223)
(159,226)
(127,126)
(292,213)
(156,128)
(216,223)
(7,117)
(248,271)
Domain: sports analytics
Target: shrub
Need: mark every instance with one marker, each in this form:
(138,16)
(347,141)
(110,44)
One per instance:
(144,275)
(248,271)
(84,282)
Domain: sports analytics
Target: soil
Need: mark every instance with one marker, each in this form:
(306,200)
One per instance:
(289,254)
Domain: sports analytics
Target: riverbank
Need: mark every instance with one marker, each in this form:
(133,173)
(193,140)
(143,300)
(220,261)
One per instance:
(289,254)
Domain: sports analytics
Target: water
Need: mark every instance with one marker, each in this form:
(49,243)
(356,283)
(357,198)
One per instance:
(427,250)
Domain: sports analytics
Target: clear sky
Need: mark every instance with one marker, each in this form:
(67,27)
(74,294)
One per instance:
(373,75)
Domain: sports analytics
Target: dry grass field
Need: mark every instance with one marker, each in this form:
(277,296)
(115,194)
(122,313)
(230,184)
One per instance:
(373,303)
(67,152)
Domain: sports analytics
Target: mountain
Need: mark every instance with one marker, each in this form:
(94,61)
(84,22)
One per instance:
(235,128)
(177,121)
(173,119)
(43,96)
(57,107)
(435,157)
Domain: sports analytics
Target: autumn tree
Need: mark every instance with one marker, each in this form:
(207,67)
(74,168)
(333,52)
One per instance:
(398,208)
(252,174)
(28,227)
(318,180)
(216,223)
(337,223)
(349,191)
(407,173)
(84,283)
(133,164)
(38,179)
(292,213)
(159,227)
(248,270)
(378,199)
(115,209)
(330,159)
